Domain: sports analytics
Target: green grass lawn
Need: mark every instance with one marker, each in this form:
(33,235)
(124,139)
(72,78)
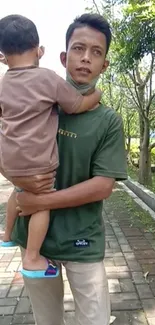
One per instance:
(133,173)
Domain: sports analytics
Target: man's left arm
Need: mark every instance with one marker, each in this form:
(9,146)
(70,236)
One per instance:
(108,165)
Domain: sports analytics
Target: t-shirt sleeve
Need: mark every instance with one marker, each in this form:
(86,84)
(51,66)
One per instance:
(109,160)
(56,90)
(68,97)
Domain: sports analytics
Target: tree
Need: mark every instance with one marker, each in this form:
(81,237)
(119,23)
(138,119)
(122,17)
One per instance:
(133,55)
(135,46)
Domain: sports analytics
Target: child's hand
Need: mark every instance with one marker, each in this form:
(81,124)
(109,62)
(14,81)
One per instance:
(99,93)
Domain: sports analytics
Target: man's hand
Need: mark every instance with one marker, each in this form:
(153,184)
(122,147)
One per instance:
(27,203)
(36,184)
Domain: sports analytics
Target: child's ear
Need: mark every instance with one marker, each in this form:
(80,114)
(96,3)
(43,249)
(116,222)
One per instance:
(3,59)
(41,51)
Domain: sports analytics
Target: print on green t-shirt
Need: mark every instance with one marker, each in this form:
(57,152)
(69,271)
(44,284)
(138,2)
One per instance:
(90,144)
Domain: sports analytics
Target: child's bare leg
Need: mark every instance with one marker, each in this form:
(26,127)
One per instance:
(11,215)
(38,227)
(11,212)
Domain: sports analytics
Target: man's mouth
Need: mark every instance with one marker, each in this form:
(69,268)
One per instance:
(84,70)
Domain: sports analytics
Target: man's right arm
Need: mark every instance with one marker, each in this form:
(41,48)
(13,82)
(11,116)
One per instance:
(95,189)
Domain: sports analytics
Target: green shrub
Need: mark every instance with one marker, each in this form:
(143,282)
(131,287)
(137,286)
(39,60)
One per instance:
(134,153)
(153,156)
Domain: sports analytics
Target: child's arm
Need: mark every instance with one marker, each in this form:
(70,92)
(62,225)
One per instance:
(71,101)
(89,102)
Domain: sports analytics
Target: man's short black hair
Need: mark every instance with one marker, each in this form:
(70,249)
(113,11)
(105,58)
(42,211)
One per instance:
(18,34)
(95,21)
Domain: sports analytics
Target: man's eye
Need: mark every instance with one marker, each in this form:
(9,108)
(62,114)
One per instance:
(97,52)
(78,48)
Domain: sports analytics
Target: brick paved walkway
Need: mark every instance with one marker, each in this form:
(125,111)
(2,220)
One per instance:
(130,267)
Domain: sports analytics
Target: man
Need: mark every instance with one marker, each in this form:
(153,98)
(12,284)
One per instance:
(92,157)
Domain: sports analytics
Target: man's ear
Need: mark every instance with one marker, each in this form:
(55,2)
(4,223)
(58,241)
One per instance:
(3,59)
(105,66)
(63,58)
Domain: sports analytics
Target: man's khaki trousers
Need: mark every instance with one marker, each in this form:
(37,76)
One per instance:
(89,286)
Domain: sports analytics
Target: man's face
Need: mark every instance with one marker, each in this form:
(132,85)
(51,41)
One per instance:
(85,58)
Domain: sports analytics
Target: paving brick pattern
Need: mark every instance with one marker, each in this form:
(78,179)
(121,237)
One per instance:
(130,267)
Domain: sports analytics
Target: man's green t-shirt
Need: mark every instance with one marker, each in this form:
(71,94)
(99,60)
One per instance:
(90,144)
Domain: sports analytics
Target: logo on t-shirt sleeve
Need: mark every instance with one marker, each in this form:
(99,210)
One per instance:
(81,243)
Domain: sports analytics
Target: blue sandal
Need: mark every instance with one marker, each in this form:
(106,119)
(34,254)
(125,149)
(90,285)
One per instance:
(8,244)
(51,272)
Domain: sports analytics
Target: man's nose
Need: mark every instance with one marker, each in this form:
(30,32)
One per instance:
(86,56)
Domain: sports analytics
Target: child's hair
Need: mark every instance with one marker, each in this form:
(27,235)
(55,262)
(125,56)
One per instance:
(18,34)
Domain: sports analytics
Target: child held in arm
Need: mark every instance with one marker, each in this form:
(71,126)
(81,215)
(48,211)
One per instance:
(29,118)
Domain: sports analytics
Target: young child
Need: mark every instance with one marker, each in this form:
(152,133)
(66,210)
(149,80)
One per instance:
(29,126)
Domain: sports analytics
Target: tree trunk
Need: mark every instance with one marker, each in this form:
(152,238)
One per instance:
(128,144)
(141,129)
(145,157)
(128,133)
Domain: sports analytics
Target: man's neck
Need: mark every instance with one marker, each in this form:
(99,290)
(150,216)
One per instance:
(82,88)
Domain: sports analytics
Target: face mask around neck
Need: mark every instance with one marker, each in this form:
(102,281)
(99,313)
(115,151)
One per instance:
(82,88)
